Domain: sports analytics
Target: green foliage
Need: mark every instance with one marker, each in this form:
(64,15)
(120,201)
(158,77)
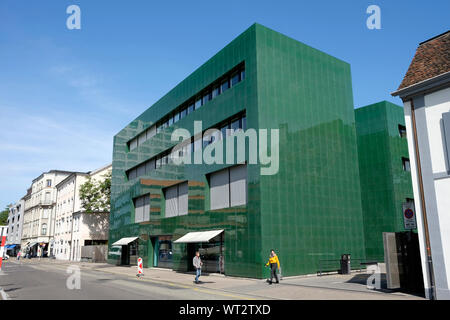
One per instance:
(95,196)
(4,217)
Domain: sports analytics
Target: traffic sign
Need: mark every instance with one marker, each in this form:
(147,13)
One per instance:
(409,215)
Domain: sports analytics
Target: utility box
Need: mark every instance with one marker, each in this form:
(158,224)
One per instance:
(345,264)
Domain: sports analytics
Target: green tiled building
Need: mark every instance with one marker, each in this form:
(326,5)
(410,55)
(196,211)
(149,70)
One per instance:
(384,170)
(309,211)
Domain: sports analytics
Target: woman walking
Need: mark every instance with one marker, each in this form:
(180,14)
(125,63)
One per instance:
(274,266)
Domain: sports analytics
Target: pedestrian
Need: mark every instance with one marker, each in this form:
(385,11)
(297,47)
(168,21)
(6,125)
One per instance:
(274,264)
(18,255)
(197,262)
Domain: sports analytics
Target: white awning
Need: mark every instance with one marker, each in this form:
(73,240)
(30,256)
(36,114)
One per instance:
(202,236)
(124,241)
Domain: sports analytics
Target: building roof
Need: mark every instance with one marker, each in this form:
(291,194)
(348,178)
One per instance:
(52,171)
(432,59)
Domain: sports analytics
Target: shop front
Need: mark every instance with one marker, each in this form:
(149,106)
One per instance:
(210,245)
(162,251)
(125,251)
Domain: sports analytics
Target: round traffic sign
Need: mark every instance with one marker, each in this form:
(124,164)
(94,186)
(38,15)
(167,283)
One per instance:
(409,213)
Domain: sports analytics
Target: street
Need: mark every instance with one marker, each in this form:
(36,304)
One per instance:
(48,279)
(30,282)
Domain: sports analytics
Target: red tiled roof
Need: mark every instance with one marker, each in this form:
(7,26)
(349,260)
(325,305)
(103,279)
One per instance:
(432,58)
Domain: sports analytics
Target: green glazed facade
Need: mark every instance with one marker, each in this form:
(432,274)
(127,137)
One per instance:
(309,211)
(385,185)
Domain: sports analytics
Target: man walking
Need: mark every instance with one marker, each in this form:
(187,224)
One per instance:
(197,262)
(274,266)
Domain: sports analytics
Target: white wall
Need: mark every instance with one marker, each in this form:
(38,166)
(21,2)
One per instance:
(436,185)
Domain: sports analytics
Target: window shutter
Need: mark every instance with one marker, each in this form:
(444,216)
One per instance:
(183,199)
(171,201)
(219,190)
(238,185)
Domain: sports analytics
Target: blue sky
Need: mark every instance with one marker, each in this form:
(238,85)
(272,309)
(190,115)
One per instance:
(65,93)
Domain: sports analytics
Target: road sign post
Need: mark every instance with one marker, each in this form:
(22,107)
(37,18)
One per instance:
(409,216)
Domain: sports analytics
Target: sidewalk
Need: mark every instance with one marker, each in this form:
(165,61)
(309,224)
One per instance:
(335,287)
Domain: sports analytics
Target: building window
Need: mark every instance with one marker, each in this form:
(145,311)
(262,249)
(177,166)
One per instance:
(206,97)
(190,108)
(228,187)
(235,79)
(133,144)
(142,208)
(225,85)
(215,92)
(210,92)
(176,200)
(198,104)
(402,131)
(49,183)
(406,164)
(44,229)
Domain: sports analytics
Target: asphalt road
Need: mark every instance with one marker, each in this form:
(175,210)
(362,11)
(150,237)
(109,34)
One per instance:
(31,282)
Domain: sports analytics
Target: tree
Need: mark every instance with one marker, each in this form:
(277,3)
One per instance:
(95,196)
(4,217)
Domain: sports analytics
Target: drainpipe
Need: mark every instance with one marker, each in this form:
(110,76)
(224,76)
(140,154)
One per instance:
(422,201)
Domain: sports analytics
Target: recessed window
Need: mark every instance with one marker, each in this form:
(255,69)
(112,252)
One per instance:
(225,85)
(198,103)
(44,229)
(228,187)
(190,108)
(151,132)
(176,200)
(243,74)
(406,164)
(402,130)
(183,113)
(142,209)
(142,138)
(235,79)
(215,92)
(133,144)
(49,183)
(206,97)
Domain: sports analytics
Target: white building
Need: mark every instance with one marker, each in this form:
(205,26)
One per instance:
(39,214)
(15,225)
(74,228)
(425,91)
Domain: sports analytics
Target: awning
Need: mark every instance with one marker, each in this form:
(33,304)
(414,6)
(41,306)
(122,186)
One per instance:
(33,244)
(202,236)
(124,241)
(10,246)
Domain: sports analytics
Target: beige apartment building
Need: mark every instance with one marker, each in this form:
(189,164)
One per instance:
(74,228)
(39,213)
